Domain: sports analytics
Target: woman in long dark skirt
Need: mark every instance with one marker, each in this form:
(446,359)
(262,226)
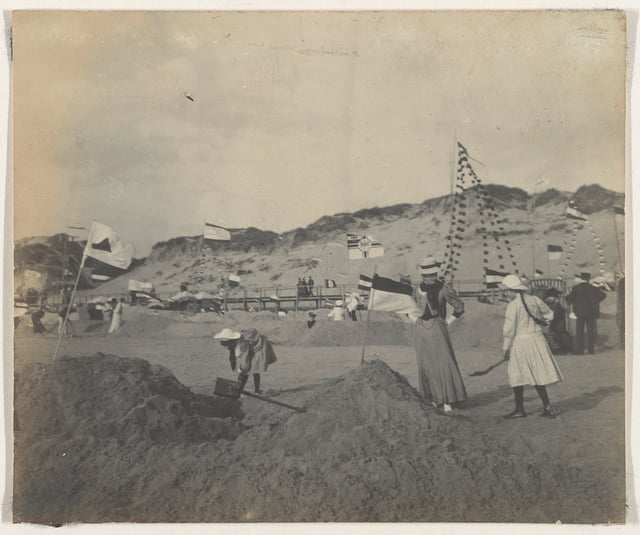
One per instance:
(439,378)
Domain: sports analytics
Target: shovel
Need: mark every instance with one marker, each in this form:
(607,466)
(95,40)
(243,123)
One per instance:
(485,372)
(231,389)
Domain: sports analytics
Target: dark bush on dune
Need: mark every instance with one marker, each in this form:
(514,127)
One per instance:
(594,198)
(551,196)
(387,212)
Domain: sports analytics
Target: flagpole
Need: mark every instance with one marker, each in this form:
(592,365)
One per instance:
(326,275)
(533,233)
(452,170)
(63,328)
(66,316)
(366,330)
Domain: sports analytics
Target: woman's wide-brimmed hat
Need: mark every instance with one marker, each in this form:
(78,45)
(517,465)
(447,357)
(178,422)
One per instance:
(513,282)
(428,266)
(339,303)
(226,335)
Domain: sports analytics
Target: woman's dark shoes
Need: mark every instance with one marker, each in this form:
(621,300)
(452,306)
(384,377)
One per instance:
(549,412)
(517,413)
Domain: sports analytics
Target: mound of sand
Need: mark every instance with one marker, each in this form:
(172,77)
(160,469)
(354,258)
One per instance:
(115,397)
(366,449)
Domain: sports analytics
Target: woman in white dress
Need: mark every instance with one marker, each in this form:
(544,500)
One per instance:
(116,315)
(530,359)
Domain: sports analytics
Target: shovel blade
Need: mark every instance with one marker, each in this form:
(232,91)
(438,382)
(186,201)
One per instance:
(227,388)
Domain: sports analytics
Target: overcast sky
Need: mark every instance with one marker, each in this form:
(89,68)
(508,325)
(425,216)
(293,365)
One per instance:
(298,115)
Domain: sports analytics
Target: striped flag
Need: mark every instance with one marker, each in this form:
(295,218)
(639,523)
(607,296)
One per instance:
(214,232)
(104,245)
(360,246)
(329,283)
(364,283)
(554,252)
(493,277)
(392,296)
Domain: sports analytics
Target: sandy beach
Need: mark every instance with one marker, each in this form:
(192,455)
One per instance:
(164,449)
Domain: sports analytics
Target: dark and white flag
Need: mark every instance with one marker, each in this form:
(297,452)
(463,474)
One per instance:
(104,245)
(388,295)
(364,283)
(360,246)
(493,277)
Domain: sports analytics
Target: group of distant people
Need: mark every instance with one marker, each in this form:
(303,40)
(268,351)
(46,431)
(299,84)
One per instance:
(350,306)
(66,327)
(305,286)
(585,298)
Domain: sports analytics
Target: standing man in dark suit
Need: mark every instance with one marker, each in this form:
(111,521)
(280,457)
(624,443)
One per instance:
(585,300)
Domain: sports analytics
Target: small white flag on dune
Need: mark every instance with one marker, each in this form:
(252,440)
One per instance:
(214,232)
(104,245)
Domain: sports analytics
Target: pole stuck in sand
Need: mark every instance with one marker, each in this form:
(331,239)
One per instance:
(366,330)
(70,304)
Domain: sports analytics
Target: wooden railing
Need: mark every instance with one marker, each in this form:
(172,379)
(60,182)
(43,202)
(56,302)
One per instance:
(287,297)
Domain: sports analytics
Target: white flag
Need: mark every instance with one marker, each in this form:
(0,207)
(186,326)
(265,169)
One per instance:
(214,232)
(104,245)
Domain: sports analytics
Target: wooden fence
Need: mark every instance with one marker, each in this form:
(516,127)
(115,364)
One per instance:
(287,298)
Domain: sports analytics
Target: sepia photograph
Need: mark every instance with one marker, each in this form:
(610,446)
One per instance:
(319,267)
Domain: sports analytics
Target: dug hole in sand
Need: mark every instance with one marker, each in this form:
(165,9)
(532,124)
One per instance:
(105,438)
